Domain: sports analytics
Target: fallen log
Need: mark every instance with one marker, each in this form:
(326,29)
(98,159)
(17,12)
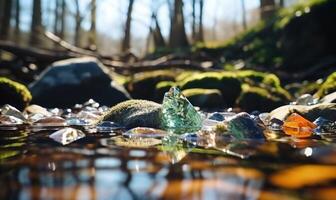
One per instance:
(32,53)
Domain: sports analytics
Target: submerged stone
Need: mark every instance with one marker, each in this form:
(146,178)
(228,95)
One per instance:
(107,127)
(324,126)
(131,142)
(297,126)
(144,132)
(241,126)
(178,114)
(67,135)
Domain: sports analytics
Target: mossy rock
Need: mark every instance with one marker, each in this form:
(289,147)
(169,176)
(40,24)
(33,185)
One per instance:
(161,88)
(264,80)
(143,85)
(226,82)
(185,74)
(254,98)
(134,113)
(255,77)
(329,86)
(14,93)
(204,98)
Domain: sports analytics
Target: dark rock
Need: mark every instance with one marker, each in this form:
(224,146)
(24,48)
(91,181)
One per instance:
(255,98)
(241,126)
(134,113)
(325,110)
(72,81)
(217,116)
(143,85)
(226,82)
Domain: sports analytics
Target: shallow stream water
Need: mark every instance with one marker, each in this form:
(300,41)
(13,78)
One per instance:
(35,167)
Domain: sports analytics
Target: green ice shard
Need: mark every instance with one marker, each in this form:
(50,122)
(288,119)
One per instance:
(178,115)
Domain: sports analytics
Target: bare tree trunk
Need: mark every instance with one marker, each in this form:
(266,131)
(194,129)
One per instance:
(78,20)
(93,34)
(36,24)
(178,36)
(244,14)
(5,21)
(126,43)
(56,15)
(193,34)
(282,3)
(1,9)
(63,12)
(159,41)
(17,20)
(200,37)
(267,9)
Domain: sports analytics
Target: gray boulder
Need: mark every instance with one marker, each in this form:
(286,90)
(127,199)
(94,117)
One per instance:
(71,81)
(325,110)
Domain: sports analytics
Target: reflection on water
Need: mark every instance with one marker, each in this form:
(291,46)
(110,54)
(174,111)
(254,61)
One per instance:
(34,167)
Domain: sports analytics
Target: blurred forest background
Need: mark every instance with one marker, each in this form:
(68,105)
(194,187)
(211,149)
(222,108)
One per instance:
(136,25)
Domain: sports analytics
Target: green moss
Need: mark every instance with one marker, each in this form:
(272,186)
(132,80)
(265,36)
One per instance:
(328,86)
(184,75)
(204,98)
(143,85)
(133,113)
(287,14)
(264,80)
(14,93)
(255,98)
(226,82)
(265,44)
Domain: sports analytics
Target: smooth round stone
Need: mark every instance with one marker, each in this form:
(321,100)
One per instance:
(144,132)
(265,118)
(50,122)
(36,109)
(107,127)
(91,103)
(216,116)
(35,117)
(77,122)
(306,99)
(6,120)
(56,111)
(87,116)
(241,126)
(103,109)
(67,135)
(209,124)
